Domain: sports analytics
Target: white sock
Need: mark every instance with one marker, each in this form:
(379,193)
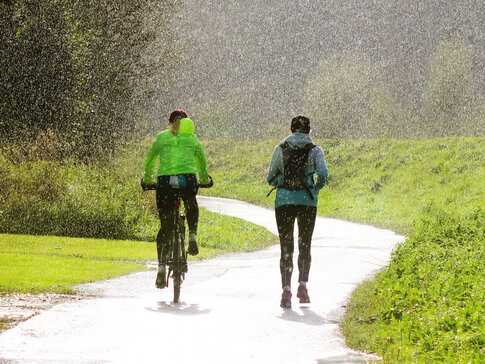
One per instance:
(303,284)
(287,288)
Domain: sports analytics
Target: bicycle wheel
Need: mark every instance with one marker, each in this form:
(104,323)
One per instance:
(179,258)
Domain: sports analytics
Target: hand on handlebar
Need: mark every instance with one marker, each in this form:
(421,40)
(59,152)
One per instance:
(148,186)
(207,185)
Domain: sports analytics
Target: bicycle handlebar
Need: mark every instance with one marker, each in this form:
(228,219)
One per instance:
(153,186)
(148,186)
(207,185)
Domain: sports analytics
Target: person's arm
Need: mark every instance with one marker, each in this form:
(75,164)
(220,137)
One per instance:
(274,174)
(151,162)
(201,164)
(320,168)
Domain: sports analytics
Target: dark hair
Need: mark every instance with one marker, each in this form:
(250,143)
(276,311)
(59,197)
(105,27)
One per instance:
(300,124)
(175,113)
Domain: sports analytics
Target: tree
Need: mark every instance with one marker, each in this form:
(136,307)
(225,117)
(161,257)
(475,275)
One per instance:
(347,98)
(80,69)
(451,100)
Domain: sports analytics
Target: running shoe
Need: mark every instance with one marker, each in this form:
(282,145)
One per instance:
(302,294)
(286,299)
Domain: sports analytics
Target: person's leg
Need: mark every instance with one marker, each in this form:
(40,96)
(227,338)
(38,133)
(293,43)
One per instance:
(306,223)
(165,206)
(285,220)
(191,212)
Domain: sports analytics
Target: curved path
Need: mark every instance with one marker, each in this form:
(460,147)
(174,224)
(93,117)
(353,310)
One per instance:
(229,311)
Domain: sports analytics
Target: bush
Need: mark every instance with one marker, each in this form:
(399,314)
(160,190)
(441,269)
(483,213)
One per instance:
(53,198)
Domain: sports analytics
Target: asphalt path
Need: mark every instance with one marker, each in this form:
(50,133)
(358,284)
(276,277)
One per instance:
(229,310)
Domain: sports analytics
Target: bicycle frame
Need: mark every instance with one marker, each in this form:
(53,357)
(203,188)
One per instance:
(175,258)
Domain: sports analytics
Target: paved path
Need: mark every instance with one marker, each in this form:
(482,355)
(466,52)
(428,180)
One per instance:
(229,311)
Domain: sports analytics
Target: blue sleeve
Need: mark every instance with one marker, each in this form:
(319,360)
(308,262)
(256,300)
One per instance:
(274,177)
(320,168)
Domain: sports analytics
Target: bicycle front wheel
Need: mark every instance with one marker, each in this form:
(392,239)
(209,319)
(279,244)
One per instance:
(177,281)
(179,258)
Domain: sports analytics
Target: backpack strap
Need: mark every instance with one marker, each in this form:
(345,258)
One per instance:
(271,191)
(283,145)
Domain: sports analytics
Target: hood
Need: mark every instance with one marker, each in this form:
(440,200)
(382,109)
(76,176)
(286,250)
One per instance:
(298,139)
(186,126)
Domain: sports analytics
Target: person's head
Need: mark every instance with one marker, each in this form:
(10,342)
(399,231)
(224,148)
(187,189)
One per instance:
(174,120)
(300,124)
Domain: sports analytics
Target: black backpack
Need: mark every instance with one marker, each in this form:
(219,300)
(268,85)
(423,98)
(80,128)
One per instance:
(295,161)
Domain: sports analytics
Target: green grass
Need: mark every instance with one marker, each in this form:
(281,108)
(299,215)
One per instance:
(426,306)
(429,304)
(387,183)
(54,264)
(46,273)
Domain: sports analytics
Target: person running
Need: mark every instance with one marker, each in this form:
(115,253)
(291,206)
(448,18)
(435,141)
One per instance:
(294,164)
(181,157)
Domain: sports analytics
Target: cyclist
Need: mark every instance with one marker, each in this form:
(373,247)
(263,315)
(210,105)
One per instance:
(293,166)
(181,157)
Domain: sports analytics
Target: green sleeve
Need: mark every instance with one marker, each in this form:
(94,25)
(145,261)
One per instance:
(151,162)
(202,164)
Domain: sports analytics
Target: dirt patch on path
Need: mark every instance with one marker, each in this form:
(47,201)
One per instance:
(18,307)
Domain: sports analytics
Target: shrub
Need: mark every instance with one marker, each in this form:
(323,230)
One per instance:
(53,198)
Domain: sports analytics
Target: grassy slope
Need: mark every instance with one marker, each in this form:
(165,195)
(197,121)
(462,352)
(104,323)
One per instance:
(428,305)
(388,183)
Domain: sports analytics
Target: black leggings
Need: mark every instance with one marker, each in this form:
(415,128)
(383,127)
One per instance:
(166,197)
(285,219)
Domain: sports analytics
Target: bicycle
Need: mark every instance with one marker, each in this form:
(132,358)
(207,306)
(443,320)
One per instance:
(175,258)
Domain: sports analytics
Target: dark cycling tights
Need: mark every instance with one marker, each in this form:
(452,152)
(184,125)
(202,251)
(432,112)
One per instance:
(285,219)
(166,196)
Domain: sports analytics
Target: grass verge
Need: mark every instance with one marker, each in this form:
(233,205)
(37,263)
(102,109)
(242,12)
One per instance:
(429,304)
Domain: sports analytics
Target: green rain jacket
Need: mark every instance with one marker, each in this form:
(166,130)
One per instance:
(182,154)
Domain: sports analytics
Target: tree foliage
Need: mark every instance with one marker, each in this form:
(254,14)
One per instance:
(452,102)
(348,98)
(79,69)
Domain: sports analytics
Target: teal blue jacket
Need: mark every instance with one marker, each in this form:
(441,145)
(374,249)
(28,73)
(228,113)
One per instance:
(316,167)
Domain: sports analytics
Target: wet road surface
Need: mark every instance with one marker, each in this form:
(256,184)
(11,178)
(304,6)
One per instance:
(229,310)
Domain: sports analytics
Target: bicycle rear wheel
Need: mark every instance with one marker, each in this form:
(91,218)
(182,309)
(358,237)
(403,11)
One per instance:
(180,260)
